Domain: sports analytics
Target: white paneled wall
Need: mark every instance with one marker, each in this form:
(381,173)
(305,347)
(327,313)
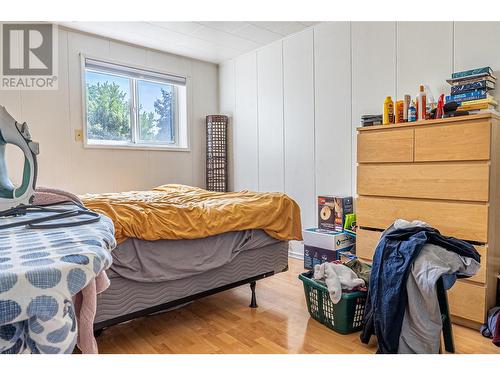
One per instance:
(422,60)
(53,117)
(270,118)
(246,161)
(477,44)
(298,104)
(332,84)
(332,74)
(373,72)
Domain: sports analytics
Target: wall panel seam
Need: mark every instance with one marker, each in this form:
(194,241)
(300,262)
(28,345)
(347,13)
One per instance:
(353,135)
(257,117)
(314,113)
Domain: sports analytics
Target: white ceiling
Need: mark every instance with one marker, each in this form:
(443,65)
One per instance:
(209,41)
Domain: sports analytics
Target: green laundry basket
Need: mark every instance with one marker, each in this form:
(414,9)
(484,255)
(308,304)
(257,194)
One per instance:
(344,317)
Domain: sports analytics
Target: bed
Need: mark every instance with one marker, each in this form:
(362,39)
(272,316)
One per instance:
(179,243)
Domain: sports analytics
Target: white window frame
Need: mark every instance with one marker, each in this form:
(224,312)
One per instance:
(136,143)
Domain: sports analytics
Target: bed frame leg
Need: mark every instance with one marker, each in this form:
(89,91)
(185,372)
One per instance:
(98,332)
(253,303)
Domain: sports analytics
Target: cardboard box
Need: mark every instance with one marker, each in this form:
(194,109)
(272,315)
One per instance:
(327,239)
(315,255)
(332,211)
(326,212)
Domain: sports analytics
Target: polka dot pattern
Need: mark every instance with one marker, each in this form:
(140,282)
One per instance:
(40,270)
(59,335)
(40,254)
(9,310)
(43,307)
(37,262)
(76,259)
(8,281)
(76,280)
(44,277)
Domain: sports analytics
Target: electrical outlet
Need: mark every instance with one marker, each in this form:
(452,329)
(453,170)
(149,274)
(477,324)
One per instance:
(78,135)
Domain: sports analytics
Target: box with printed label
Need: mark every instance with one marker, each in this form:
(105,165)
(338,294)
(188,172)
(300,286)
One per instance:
(332,211)
(327,239)
(315,255)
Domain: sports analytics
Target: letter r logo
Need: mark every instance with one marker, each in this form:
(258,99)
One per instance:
(27,49)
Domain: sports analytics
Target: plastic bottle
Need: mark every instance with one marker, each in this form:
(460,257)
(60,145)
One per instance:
(406,107)
(440,107)
(388,117)
(398,112)
(412,112)
(421,103)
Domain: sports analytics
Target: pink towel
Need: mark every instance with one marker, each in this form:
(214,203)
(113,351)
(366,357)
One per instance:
(45,196)
(85,301)
(85,308)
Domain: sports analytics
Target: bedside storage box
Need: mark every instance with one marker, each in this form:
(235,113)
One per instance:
(316,255)
(322,246)
(327,239)
(326,212)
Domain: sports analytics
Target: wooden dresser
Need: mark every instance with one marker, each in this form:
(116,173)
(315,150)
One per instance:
(444,172)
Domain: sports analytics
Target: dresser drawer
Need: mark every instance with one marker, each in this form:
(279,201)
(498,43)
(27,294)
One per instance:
(468,301)
(367,240)
(385,146)
(453,181)
(480,276)
(469,141)
(468,221)
(366,243)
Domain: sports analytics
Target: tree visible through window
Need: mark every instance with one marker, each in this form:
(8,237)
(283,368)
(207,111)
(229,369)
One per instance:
(124,109)
(108,107)
(156,114)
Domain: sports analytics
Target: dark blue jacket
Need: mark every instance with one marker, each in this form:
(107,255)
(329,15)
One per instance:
(387,296)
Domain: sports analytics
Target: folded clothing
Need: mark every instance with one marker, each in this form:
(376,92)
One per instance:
(337,277)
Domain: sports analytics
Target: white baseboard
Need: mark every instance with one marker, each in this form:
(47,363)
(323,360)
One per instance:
(296,249)
(295,255)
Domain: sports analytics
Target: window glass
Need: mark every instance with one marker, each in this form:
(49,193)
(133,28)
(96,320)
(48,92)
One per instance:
(108,107)
(156,103)
(133,107)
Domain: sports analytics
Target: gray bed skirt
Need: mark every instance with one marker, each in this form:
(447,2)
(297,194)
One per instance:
(125,296)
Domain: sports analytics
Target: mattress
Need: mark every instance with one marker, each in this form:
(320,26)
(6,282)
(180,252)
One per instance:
(126,296)
(165,260)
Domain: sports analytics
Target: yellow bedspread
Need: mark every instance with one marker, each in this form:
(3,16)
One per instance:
(184,212)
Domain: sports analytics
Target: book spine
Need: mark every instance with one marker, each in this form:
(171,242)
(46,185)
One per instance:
(474,107)
(448,99)
(459,89)
(471,72)
(471,95)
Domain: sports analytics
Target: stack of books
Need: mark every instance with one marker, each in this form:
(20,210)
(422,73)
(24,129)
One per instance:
(368,120)
(472,90)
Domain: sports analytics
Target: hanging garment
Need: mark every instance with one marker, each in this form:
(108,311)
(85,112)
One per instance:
(387,299)
(422,324)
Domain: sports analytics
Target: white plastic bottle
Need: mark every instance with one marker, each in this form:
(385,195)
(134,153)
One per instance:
(421,103)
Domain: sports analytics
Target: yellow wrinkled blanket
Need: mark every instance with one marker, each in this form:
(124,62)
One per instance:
(184,212)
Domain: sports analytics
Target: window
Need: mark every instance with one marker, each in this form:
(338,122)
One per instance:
(129,107)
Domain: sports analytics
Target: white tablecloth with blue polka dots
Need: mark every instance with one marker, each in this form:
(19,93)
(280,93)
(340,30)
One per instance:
(40,271)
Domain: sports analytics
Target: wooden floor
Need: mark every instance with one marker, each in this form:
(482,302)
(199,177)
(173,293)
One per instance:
(224,323)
